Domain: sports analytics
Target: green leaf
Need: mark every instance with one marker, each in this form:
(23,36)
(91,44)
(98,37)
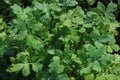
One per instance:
(109,49)
(71,2)
(89,77)
(7,1)
(68,23)
(56,58)
(110,77)
(79,12)
(117,59)
(3,36)
(87,25)
(82,30)
(16,67)
(2,51)
(107,57)
(21,57)
(117,77)
(101,77)
(109,16)
(88,46)
(38,6)
(91,2)
(113,26)
(19,12)
(55,66)
(38,27)
(95,33)
(33,42)
(26,69)
(101,7)
(63,77)
(78,20)
(96,66)
(113,41)
(116,68)
(22,35)
(86,70)
(3,25)
(98,44)
(63,17)
(1,20)
(105,38)
(115,47)
(111,7)
(55,7)
(37,67)
(52,52)
(16,9)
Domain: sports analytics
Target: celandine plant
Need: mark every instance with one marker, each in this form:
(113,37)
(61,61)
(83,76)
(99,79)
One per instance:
(60,40)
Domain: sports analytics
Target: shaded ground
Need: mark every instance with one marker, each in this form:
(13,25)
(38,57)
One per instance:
(117,14)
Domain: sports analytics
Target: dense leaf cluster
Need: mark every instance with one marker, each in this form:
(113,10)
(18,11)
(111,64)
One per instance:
(59,40)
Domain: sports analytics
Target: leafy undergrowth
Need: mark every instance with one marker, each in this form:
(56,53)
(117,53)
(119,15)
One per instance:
(59,40)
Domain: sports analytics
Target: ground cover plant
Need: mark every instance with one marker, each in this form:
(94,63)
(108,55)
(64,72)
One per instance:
(59,40)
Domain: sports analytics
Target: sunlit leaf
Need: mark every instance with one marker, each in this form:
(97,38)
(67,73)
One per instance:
(97,66)
(26,69)
(37,67)
(16,67)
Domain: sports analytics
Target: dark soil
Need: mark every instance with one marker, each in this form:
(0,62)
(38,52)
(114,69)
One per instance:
(117,14)
(118,39)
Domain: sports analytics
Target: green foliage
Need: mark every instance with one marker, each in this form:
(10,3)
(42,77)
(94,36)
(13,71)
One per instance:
(59,40)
